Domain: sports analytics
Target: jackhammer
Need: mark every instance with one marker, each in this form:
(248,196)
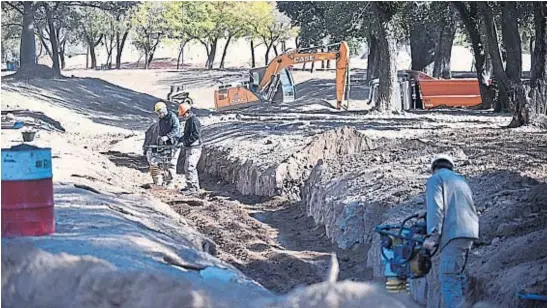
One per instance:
(403,254)
(159,157)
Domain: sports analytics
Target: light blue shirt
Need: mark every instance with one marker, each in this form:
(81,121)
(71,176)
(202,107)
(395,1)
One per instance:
(450,207)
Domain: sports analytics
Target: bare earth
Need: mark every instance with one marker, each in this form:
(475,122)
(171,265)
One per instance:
(372,170)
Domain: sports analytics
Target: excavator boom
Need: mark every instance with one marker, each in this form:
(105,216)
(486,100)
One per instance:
(298,57)
(269,82)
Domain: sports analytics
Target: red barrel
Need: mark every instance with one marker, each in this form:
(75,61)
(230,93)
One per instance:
(27,191)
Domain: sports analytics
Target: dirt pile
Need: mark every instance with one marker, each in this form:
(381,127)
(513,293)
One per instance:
(34,278)
(349,194)
(266,175)
(33,72)
(505,172)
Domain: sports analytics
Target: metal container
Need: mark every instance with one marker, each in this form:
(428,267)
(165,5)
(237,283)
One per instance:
(27,191)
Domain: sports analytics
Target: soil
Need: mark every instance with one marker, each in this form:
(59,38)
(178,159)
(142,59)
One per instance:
(270,240)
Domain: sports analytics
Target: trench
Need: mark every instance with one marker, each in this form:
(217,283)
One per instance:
(278,221)
(264,230)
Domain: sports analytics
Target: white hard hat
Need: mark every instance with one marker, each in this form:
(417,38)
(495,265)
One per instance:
(438,157)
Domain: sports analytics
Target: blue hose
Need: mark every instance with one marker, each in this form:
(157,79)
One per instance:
(530,296)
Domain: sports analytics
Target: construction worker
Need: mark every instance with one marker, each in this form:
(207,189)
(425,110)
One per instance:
(169,134)
(452,225)
(191,141)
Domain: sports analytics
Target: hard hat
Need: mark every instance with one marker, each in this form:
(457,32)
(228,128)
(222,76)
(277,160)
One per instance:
(183,108)
(160,106)
(440,157)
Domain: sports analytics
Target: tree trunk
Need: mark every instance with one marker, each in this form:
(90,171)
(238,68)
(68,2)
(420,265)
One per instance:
(512,42)
(253,59)
(470,18)
(522,113)
(27,54)
(267,55)
(372,59)
(422,50)
(386,62)
(62,55)
(323,62)
(504,84)
(275,50)
(146,62)
(211,53)
(443,50)
(92,54)
(180,58)
(87,58)
(119,48)
(53,39)
(225,51)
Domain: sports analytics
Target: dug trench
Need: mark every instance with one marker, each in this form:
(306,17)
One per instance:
(277,219)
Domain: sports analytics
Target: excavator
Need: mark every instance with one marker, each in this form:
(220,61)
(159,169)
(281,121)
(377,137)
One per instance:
(264,83)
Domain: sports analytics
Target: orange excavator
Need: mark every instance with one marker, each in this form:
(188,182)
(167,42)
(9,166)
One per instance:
(274,83)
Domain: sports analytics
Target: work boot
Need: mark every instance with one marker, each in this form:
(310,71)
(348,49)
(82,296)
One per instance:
(189,191)
(169,185)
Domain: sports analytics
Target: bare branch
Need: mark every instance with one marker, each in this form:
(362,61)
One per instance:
(15,7)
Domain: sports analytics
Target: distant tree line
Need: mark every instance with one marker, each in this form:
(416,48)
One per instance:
(33,29)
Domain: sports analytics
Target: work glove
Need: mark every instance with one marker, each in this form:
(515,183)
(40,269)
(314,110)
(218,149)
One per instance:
(430,243)
(164,139)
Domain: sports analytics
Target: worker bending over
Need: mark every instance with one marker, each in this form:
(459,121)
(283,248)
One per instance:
(169,134)
(191,141)
(452,224)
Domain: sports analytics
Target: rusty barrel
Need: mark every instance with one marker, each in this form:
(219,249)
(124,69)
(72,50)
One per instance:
(27,191)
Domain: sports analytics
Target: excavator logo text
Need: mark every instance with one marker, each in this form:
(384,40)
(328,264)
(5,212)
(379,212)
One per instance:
(304,59)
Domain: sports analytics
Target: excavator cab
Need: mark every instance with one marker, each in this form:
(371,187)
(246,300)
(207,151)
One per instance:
(274,83)
(246,94)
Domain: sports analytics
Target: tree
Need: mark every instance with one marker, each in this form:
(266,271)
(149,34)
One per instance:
(538,80)
(91,29)
(11,31)
(122,11)
(150,26)
(387,68)
(65,23)
(270,25)
(236,23)
(109,32)
(207,26)
(470,17)
(179,18)
(27,47)
(446,20)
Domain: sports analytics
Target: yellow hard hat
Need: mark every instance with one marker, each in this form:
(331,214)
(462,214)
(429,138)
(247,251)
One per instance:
(160,106)
(183,108)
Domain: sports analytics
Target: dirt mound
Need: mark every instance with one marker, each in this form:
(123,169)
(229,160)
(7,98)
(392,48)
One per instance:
(33,72)
(34,278)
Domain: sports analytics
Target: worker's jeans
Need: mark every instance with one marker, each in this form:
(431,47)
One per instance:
(453,260)
(172,168)
(191,160)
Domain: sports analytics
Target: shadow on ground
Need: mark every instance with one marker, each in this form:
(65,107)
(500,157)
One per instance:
(101,101)
(133,161)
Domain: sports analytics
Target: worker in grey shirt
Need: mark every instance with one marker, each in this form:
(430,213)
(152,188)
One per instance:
(452,224)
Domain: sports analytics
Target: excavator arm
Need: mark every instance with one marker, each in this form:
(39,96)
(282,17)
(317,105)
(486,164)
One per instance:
(229,97)
(268,84)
